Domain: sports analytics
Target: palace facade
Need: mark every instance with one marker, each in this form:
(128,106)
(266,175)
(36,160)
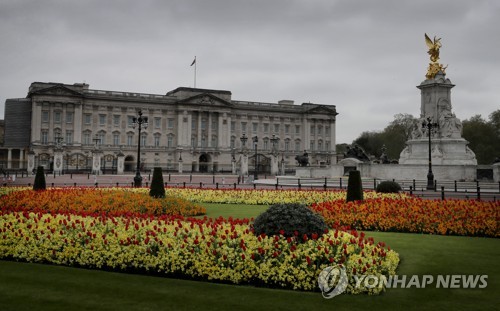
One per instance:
(189,129)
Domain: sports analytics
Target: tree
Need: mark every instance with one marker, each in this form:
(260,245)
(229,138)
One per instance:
(371,142)
(404,122)
(495,120)
(394,137)
(483,137)
(157,189)
(354,187)
(39,183)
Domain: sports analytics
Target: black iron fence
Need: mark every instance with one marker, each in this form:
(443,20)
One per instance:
(442,189)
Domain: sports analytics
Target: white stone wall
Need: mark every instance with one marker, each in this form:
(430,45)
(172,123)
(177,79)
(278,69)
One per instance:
(396,171)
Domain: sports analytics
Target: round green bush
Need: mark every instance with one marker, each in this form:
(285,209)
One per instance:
(291,219)
(388,187)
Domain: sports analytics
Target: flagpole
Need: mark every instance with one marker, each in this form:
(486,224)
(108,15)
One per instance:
(195,72)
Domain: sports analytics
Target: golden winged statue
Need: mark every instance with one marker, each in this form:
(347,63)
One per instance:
(434,66)
(433,47)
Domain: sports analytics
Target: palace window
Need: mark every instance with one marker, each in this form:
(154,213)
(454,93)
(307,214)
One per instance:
(170,141)
(116,139)
(157,123)
(69,117)
(45,116)
(266,144)
(102,138)
(86,138)
(157,140)
(57,117)
(45,137)
(297,145)
(255,127)
(214,142)
(69,137)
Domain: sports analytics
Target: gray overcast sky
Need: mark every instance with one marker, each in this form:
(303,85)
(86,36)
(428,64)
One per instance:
(365,57)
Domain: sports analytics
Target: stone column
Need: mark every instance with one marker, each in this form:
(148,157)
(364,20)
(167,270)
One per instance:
(244,164)
(9,158)
(96,162)
(233,165)
(199,130)
(180,168)
(181,162)
(496,172)
(58,161)
(274,164)
(209,130)
(21,158)
(31,161)
(306,138)
(77,130)
(282,171)
(120,163)
(36,117)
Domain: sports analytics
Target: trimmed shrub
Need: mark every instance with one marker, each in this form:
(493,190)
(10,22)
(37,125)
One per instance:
(354,187)
(157,189)
(388,186)
(39,183)
(292,219)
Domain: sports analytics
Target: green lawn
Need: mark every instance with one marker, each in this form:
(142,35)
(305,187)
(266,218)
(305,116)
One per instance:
(233,210)
(42,287)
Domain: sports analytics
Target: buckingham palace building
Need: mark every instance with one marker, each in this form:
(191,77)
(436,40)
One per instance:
(72,128)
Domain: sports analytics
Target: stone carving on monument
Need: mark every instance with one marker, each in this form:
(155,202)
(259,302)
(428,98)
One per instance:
(356,152)
(448,145)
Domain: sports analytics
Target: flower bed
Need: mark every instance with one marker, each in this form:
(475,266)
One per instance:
(266,197)
(221,250)
(454,217)
(96,201)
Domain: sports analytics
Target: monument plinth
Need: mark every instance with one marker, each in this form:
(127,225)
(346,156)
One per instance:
(448,147)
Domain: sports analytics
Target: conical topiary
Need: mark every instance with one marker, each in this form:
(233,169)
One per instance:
(157,189)
(354,187)
(39,183)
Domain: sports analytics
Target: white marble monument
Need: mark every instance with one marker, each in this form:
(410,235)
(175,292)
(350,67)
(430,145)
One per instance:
(447,145)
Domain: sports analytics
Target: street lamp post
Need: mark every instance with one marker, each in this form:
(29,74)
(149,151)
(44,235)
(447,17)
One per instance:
(140,122)
(255,140)
(429,125)
(243,139)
